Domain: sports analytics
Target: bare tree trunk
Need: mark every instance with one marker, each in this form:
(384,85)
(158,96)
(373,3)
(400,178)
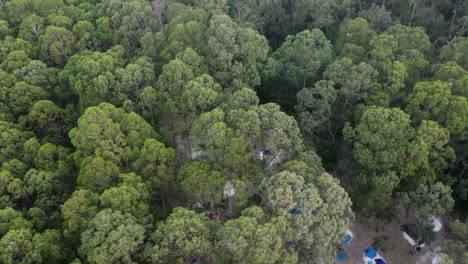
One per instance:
(163,203)
(412,15)
(158,8)
(453,18)
(292,15)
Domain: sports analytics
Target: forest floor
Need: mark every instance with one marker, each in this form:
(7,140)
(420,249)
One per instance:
(395,249)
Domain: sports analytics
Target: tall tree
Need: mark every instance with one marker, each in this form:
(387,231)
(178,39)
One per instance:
(57,45)
(112,237)
(428,154)
(455,75)
(133,78)
(183,237)
(91,76)
(304,200)
(433,100)
(255,238)
(77,212)
(201,182)
(130,21)
(49,121)
(235,55)
(356,31)
(301,57)
(17,247)
(427,201)
(380,141)
(455,52)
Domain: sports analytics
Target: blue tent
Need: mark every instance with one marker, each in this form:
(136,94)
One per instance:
(371,253)
(342,255)
(347,239)
(295,211)
(380,261)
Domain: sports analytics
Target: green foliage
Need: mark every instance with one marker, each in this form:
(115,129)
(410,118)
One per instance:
(433,100)
(182,237)
(133,78)
(91,76)
(16,167)
(77,211)
(456,52)
(426,202)
(127,199)
(428,154)
(310,195)
(117,118)
(112,237)
(456,246)
(97,174)
(22,96)
(108,132)
(201,182)
(10,44)
(252,239)
(410,38)
(48,121)
(235,55)
(50,244)
(129,21)
(356,31)
(15,60)
(280,132)
(12,139)
(32,28)
(353,82)
(85,33)
(301,57)
(10,219)
(57,44)
(17,246)
(156,162)
(455,75)
(380,142)
(187,35)
(180,95)
(4,29)
(381,138)
(44,188)
(37,73)
(315,106)
(50,157)
(379,17)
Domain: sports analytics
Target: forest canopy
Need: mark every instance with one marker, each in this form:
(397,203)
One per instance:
(240,131)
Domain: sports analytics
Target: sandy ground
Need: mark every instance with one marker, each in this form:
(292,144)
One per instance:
(428,256)
(364,234)
(363,238)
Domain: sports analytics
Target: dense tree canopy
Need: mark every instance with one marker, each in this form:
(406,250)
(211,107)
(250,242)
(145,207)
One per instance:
(242,131)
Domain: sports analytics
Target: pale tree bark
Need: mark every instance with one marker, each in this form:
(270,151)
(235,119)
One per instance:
(414,3)
(158,8)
